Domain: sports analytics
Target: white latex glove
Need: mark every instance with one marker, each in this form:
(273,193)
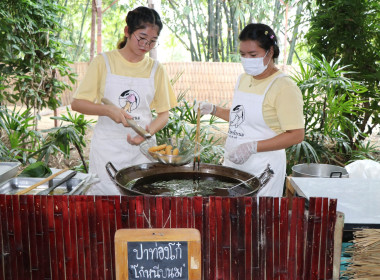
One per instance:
(205,107)
(241,153)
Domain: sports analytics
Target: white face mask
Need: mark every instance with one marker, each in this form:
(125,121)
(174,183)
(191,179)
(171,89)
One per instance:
(254,65)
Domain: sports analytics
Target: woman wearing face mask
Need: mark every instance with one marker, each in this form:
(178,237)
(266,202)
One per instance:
(135,84)
(266,116)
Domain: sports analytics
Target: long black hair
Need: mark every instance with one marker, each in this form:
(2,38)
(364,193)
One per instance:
(263,34)
(139,18)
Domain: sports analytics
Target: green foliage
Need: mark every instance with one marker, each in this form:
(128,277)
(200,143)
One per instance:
(31,57)
(329,96)
(349,31)
(17,131)
(182,123)
(61,138)
(36,170)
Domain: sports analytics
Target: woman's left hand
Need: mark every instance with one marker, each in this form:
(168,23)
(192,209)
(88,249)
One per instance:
(137,140)
(242,153)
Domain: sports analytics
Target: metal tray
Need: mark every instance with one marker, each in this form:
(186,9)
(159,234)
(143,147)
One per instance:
(14,185)
(8,170)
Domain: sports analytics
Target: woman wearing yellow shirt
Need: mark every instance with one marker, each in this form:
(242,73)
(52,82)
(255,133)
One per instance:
(135,84)
(266,116)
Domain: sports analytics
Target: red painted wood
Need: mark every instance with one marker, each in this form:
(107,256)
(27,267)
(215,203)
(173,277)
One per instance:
(179,207)
(262,241)
(276,238)
(219,234)
(293,240)
(140,219)
(167,214)
(5,261)
(248,236)
(67,237)
(198,221)
(159,217)
(146,212)
(11,237)
(24,227)
(330,238)
(80,237)
(241,238)
(107,257)
(213,237)
(91,212)
(74,235)
(124,211)
(51,237)
(152,212)
(269,238)
(309,238)
(58,230)
(99,212)
(132,212)
(112,203)
(316,239)
(234,239)
(300,237)
(173,213)
(32,237)
(255,240)
(86,234)
(323,242)
(73,239)
(226,238)
(284,223)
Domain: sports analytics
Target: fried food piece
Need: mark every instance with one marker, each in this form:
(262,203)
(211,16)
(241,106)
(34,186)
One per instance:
(175,152)
(168,149)
(157,148)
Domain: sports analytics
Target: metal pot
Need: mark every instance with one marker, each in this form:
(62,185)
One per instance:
(319,171)
(247,184)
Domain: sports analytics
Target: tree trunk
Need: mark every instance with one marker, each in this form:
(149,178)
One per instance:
(152,52)
(93,23)
(99,35)
(295,33)
(80,40)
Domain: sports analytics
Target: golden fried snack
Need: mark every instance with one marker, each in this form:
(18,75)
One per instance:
(168,149)
(175,152)
(157,148)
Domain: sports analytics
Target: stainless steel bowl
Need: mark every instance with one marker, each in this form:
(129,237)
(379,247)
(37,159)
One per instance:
(319,170)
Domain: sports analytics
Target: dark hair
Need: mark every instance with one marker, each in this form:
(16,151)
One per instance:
(263,34)
(139,18)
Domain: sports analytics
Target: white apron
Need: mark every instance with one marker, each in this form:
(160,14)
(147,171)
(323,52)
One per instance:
(109,142)
(247,124)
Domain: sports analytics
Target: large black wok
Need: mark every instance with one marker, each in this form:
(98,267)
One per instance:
(226,181)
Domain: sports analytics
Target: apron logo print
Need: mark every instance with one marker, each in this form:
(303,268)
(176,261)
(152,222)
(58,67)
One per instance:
(129,100)
(237,116)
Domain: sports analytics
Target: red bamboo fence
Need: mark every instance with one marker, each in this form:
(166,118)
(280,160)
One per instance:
(72,237)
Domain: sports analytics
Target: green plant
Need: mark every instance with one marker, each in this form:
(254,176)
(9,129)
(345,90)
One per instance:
(18,133)
(31,58)
(348,31)
(60,139)
(182,123)
(329,96)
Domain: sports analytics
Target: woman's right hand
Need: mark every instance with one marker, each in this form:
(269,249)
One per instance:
(118,115)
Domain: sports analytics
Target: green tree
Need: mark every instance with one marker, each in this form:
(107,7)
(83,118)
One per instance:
(31,56)
(349,31)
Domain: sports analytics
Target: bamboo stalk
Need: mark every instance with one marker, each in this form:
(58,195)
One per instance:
(42,182)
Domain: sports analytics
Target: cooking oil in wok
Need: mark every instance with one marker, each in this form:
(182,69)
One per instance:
(190,184)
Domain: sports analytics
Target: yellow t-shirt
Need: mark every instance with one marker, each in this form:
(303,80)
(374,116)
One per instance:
(283,103)
(92,86)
